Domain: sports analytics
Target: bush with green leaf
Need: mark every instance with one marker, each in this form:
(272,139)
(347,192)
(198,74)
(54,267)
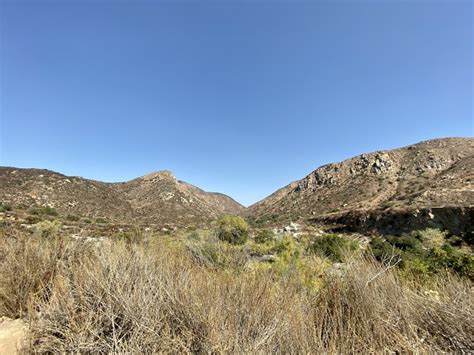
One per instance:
(232,229)
(333,247)
(408,243)
(43,211)
(263,236)
(448,257)
(381,249)
(72,217)
(426,253)
(5,207)
(47,229)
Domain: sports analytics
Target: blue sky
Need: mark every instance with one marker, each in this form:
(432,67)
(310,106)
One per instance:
(236,97)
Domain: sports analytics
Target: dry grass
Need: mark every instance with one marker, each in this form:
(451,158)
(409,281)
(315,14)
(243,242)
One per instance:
(149,297)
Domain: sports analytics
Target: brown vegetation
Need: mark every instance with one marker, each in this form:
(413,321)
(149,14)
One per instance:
(151,295)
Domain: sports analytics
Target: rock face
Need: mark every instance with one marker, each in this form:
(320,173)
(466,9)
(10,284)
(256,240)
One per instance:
(158,198)
(436,174)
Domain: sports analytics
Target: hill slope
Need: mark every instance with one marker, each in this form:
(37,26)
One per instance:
(157,198)
(430,175)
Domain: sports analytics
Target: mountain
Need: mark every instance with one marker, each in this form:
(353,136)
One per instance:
(428,181)
(425,184)
(158,198)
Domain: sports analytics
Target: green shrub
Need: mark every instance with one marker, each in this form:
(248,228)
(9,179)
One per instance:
(5,208)
(448,257)
(43,211)
(381,249)
(194,235)
(333,247)
(72,218)
(232,229)
(47,229)
(426,253)
(405,242)
(263,236)
(430,237)
(32,219)
(287,249)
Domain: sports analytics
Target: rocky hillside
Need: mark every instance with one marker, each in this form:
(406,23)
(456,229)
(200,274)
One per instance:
(424,178)
(158,198)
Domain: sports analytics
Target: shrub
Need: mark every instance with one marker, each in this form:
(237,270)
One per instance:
(333,247)
(381,249)
(28,266)
(405,242)
(426,253)
(5,208)
(232,229)
(448,257)
(33,219)
(263,236)
(72,218)
(47,229)
(43,211)
(430,237)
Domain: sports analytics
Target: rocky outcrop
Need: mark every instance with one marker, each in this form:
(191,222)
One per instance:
(428,175)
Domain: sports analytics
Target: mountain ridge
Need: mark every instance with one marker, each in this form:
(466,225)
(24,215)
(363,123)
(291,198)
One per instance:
(427,176)
(154,198)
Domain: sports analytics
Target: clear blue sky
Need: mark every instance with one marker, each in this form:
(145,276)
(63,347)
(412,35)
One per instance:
(236,97)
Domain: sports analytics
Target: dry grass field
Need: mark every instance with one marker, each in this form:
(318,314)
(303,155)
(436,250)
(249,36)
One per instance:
(142,294)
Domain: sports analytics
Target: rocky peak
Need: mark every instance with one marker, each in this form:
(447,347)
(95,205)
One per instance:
(159,175)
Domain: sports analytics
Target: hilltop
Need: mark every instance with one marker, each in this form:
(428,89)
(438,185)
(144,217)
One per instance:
(157,198)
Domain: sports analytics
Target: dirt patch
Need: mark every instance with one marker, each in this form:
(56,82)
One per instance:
(12,335)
